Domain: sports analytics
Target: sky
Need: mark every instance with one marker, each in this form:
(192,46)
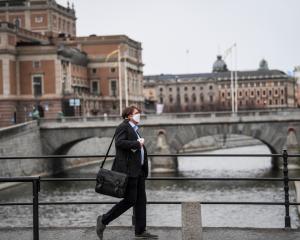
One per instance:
(185,36)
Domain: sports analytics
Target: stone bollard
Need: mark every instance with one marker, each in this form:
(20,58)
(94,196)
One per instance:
(191,221)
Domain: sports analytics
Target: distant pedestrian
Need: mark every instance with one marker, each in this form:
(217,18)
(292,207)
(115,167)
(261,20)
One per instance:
(35,114)
(131,158)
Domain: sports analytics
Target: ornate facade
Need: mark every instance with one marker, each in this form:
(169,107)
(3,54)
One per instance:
(51,68)
(258,89)
(297,89)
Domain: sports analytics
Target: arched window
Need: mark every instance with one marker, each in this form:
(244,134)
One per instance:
(186,98)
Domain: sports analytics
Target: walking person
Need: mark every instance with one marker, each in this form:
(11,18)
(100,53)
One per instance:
(131,158)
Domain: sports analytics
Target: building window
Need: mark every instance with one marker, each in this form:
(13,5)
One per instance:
(194,88)
(94,70)
(113,88)
(161,100)
(282,91)
(282,101)
(37,85)
(171,99)
(223,94)
(194,98)
(240,93)
(211,98)
(36,64)
(112,70)
(270,102)
(201,98)
(95,87)
(39,19)
(270,92)
(170,89)
(257,93)
(185,88)
(201,88)
(228,94)
(161,89)
(186,98)
(210,87)
(264,92)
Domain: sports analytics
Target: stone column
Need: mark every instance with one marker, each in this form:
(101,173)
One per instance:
(191,221)
(6,76)
(163,164)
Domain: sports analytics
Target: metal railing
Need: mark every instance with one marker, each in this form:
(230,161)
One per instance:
(36,181)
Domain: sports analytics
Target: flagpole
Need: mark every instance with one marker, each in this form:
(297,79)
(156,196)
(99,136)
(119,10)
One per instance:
(236,81)
(232,89)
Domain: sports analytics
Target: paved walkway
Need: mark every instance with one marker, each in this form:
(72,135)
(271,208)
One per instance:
(165,233)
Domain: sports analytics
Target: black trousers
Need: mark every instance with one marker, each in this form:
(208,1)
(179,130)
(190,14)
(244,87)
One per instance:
(135,196)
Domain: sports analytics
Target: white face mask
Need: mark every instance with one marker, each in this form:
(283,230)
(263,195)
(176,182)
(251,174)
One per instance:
(136,117)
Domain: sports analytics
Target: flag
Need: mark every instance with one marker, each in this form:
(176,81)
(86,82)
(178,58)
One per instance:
(228,51)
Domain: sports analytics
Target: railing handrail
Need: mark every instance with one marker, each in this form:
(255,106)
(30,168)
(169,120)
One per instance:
(36,181)
(149,155)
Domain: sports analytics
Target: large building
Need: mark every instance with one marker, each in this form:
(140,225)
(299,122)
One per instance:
(41,16)
(257,89)
(297,77)
(45,65)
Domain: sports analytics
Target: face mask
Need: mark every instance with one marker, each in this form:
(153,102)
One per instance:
(136,117)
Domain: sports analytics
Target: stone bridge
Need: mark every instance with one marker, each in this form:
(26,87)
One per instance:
(271,129)
(57,136)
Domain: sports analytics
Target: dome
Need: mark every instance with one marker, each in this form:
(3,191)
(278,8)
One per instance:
(263,65)
(220,65)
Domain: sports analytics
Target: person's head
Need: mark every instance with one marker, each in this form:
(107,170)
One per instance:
(132,113)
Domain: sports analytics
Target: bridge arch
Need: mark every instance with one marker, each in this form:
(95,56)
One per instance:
(272,135)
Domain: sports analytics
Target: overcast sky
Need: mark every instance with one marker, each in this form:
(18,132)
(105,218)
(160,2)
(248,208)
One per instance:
(184,36)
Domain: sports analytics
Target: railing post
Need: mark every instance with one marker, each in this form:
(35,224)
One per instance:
(35,193)
(287,219)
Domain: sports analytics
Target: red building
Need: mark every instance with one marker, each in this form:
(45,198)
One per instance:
(44,64)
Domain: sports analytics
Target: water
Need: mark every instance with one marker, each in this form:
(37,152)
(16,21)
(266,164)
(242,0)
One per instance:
(166,215)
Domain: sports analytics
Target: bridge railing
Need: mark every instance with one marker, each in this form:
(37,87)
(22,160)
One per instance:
(242,113)
(36,185)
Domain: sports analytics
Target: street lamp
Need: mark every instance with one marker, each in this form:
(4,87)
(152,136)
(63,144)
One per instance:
(120,75)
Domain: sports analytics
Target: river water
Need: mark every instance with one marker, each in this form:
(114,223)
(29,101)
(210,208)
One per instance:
(166,215)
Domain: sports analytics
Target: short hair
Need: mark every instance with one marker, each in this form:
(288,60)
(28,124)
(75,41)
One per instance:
(129,110)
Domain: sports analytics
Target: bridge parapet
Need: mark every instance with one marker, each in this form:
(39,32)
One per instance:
(177,118)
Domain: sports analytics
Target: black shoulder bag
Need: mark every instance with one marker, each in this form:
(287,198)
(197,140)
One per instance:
(110,182)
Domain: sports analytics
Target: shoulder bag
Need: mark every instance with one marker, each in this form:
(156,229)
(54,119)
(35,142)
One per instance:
(110,182)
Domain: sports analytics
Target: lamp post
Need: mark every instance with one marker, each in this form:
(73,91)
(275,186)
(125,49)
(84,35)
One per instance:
(120,75)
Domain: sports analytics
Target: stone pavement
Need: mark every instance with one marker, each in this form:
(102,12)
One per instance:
(165,233)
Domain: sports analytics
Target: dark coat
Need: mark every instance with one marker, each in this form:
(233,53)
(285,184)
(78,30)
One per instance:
(128,152)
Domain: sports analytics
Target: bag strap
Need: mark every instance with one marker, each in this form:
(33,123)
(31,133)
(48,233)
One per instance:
(108,151)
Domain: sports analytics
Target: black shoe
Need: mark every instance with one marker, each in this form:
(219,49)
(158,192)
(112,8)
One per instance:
(146,235)
(100,227)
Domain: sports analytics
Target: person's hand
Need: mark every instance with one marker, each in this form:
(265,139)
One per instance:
(141,141)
